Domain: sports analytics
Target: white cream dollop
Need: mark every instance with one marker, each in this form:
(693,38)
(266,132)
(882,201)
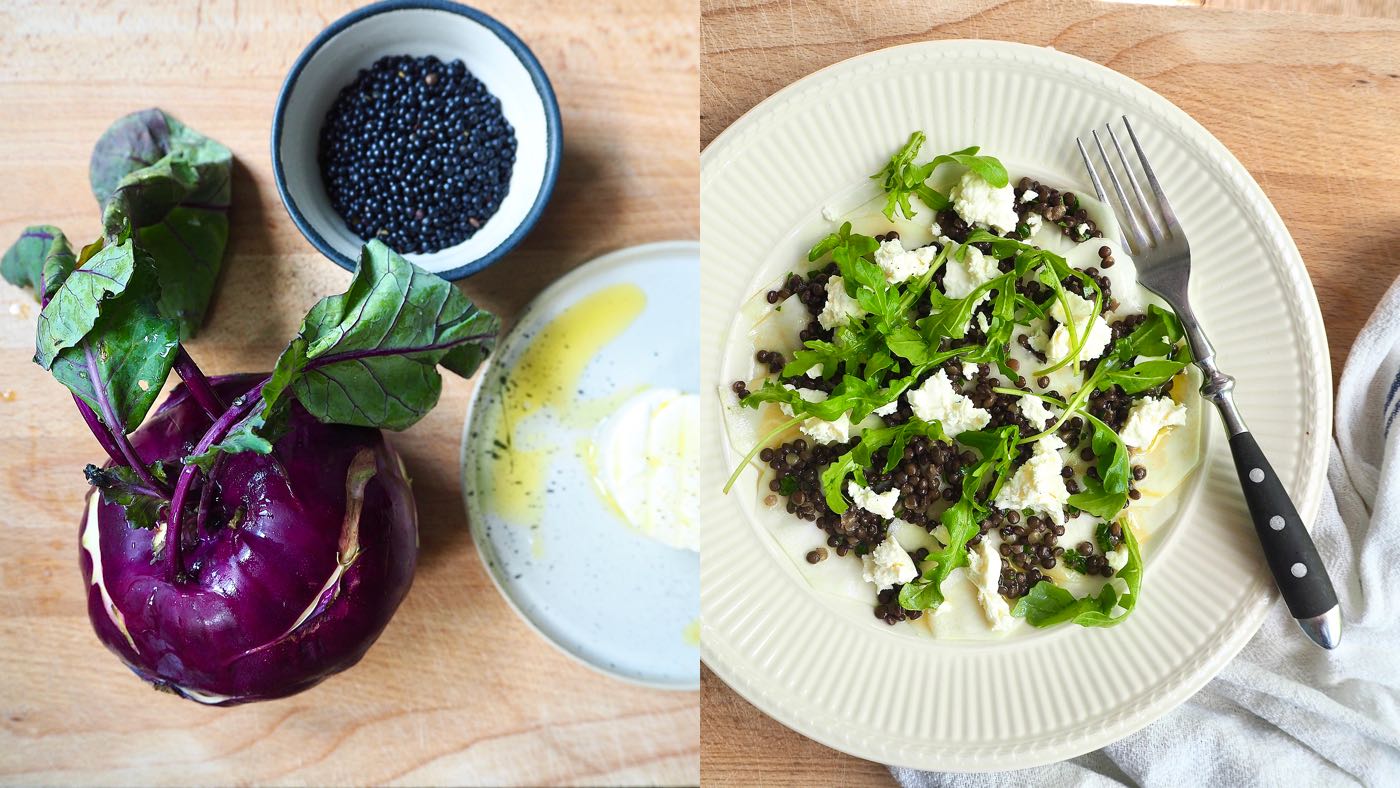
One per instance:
(646,463)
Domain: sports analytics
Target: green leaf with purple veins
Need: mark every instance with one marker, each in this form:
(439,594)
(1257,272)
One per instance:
(40,260)
(173,185)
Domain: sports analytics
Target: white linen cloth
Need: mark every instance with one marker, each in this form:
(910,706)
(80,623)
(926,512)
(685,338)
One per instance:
(1286,712)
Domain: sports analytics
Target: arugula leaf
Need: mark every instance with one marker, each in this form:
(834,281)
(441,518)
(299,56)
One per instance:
(1158,335)
(859,457)
(172,185)
(988,167)
(40,260)
(950,316)
(1047,604)
(122,486)
(1145,375)
(908,344)
(102,336)
(963,517)
(1106,496)
(1097,501)
(926,591)
(901,178)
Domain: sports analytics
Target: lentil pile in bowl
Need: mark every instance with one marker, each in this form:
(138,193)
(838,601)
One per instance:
(966,403)
(417,153)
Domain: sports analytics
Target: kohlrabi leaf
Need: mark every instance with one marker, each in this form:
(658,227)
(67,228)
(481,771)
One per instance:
(122,486)
(74,307)
(369,357)
(172,184)
(103,337)
(40,260)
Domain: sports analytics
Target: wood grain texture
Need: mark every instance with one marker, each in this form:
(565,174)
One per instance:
(1306,102)
(458,690)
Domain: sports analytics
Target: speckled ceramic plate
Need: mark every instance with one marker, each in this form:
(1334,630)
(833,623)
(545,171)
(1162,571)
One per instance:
(603,593)
(824,670)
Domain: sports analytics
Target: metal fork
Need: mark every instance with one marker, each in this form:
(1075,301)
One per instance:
(1163,260)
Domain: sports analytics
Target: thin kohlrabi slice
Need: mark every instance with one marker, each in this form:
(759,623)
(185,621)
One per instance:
(172,184)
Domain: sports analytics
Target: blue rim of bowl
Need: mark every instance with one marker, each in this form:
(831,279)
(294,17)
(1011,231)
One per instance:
(553,127)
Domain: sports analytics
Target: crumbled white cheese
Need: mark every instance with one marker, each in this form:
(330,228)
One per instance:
(1082,229)
(982,322)
(937,400)
(816,371)
(979,202)
(961,277)
(810,395)
(900,265)
(984,567)
(936,229)
(970,370)
(822,431)
(1117,559)
(1030,195)
(829,213)
(1147,417)
(1037,485)
(871,501)
(819,430)
(888,564)
(1085,319)
(1034,222)
(840,307)
(1035,411)
(887,408)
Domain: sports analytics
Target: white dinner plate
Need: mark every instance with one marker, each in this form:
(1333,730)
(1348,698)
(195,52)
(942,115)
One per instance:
(599,590)
(859,686)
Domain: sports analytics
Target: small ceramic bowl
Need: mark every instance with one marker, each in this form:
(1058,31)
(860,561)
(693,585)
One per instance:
(417,28)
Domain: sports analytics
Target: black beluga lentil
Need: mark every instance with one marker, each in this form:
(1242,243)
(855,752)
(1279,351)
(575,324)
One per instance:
(417,153)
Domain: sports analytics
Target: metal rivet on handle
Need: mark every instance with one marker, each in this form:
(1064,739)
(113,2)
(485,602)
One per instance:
(1299,570)
(1276,523)
(1256,475)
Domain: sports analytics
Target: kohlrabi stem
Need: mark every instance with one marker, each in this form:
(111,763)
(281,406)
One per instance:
(109,417)
(198,385)
(230,418)
(100,431)
(206,495)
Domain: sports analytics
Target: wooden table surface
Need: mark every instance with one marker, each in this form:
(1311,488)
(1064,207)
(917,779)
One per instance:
(458,690)
(1307,102)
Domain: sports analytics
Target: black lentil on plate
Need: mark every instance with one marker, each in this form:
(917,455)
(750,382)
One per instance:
(416,153)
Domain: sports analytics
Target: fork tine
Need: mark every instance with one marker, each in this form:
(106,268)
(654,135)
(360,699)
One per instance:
(1167,213)
(1133,224)
(1147,212)
(1098,185)
(1093,173)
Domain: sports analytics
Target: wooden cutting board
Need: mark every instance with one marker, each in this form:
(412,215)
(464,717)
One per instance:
(1307,102)
(458,690)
